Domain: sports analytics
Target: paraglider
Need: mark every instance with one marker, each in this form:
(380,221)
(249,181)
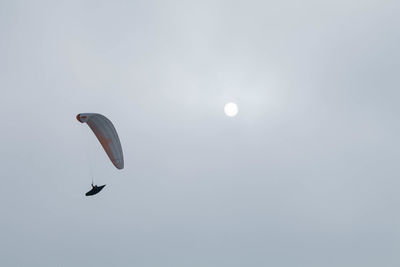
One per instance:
(105,132)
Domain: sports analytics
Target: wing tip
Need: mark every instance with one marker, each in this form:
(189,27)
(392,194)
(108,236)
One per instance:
(78,117)
(119,164)
(81,116)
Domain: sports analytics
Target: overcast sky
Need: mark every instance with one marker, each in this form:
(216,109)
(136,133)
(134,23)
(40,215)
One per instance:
(306,175)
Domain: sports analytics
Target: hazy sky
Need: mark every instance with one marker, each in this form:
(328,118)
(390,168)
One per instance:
(306,175)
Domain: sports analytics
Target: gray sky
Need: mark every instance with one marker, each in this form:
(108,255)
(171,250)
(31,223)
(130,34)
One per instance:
(305,175)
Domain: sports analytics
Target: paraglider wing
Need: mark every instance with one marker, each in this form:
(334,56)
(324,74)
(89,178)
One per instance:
(107,136)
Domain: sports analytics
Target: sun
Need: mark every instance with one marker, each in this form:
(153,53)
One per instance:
(231,109)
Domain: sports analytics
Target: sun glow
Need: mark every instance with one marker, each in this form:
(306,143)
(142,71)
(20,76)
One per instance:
(231,109)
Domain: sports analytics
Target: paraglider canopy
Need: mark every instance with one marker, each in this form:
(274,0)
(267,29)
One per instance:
(106,134)
(95,189)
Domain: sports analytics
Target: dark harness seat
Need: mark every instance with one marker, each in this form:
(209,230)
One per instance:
(95,190)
